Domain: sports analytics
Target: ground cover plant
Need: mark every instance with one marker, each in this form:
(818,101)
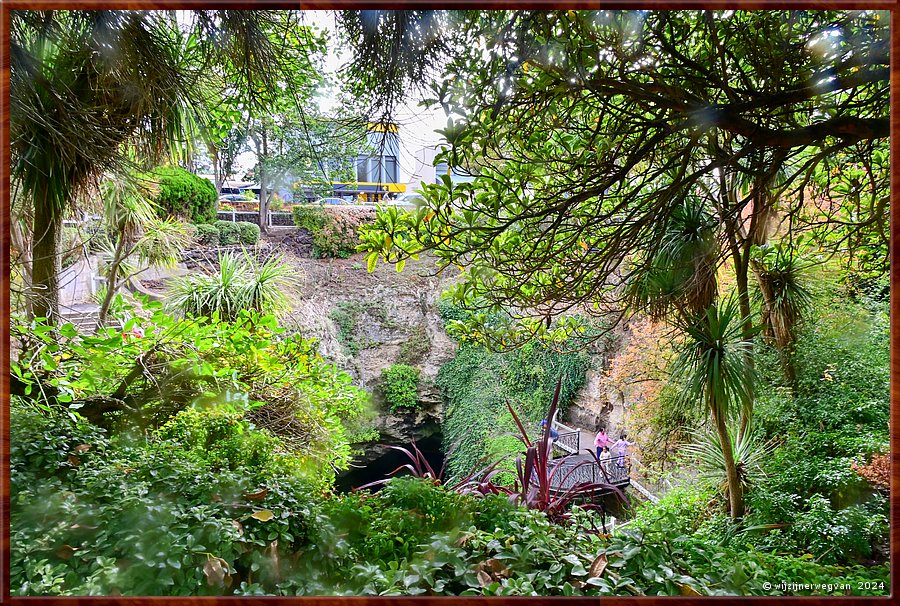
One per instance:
(674,223)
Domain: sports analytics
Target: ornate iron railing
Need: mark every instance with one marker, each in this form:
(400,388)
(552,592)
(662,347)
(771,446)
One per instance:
(568,441)
(573,470)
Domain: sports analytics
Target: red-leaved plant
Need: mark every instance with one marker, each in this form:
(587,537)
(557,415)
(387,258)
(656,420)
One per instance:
(535,474)
(537,471)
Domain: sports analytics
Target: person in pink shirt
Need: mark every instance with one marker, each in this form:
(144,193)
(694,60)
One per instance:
(601,442)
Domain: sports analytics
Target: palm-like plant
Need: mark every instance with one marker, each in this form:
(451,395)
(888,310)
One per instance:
(749,453)
(681,276)
(783,299)
(240,283)
(714,368)
(86,85)
(137,234)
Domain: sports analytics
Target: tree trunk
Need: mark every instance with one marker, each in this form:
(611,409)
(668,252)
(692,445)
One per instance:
(741,271)
(217,170)
(45,258)
(735,493)
(111,281)
(19,241)
(263,188)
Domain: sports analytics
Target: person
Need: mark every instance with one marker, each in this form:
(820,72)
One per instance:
(601,442)
(554,435)
(622,449)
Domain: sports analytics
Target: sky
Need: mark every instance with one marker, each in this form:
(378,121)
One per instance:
(417,124)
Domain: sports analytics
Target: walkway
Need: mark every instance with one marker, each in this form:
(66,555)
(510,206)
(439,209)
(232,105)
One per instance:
(577,465)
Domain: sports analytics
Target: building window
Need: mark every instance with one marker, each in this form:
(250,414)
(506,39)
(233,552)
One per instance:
(362,174)
(390,169)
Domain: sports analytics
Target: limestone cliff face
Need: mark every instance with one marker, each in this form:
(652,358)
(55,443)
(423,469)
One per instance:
(599,404)
(365,322)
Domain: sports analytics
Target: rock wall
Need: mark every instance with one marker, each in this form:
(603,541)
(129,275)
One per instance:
(365,322)
(599,404)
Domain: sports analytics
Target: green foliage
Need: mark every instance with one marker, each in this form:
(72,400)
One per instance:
(400,384)
(42,440)
(219,437)
(310,217)
(207,234)
(334,231)
(682,510)
(249,232)
(338,236)
(166,508)
(148,518)
(184,195)
(242,283)
(476,385)
(229,232)
(250,364)
(525,249)
(839,415)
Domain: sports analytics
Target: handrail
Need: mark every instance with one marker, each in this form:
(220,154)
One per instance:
(575,470)
(565,442)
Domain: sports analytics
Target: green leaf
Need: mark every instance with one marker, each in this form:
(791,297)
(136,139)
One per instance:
(68,330)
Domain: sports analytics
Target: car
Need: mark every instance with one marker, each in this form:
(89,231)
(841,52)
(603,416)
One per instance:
(331,201)
(230,198)
(407,198)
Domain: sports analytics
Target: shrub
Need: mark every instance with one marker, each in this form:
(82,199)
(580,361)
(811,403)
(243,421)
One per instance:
(207,234)
(399,384)
(187,528)
(249,232)
(229,232)
(185,195)
(242,283)
(338,237)
(309,216)
(334,231)
(220,438)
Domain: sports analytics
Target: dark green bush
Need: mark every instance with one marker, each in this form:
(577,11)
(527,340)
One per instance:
(334,231)
(207,234)
(310,217)
(183,194)
(249,232)
(400,385)
(229,233)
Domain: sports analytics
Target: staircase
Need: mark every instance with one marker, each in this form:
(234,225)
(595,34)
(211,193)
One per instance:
(83,316)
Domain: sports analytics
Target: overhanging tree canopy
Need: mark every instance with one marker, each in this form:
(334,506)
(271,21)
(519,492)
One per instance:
(585,130)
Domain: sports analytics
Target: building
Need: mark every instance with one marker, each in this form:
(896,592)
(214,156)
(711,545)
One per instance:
(428,172)
(377,172)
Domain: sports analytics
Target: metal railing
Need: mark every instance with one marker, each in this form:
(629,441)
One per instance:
(570,471)
(569,440)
